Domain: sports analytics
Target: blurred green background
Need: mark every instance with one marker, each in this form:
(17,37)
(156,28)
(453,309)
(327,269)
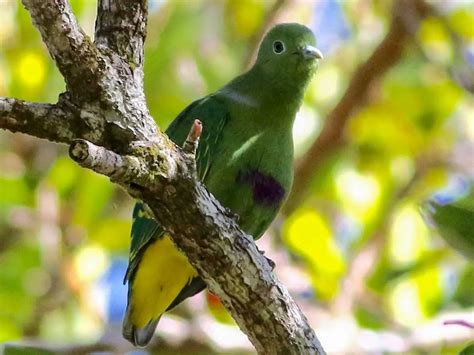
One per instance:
(366,252)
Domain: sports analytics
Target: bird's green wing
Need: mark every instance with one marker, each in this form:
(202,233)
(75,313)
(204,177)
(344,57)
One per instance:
(213,115)
(144,229)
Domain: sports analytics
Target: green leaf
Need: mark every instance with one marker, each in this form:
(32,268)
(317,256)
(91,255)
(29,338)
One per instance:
(464,294)
(14,192)
(367,318)
(63,175)
(93,194)
(455,223)
(308,235)
(112,234)
(468,350)
(461,21)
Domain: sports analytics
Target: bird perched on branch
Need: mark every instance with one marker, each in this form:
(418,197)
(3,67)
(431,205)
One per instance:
(245,159)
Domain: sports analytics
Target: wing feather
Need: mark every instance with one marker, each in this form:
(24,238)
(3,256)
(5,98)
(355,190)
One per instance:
(214,117)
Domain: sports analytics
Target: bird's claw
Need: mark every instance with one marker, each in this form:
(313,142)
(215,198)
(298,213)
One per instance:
(269,261)
(231,214)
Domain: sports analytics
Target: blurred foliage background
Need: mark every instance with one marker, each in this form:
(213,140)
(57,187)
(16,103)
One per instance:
(376,247)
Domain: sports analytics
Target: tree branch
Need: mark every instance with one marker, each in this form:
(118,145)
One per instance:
(106,162)
(113,134)
(406,16)
(226,258)
(40,120)
(63,122)
(100,84)
(121,26)
(76,57)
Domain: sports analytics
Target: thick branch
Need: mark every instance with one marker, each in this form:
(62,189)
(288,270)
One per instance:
(106,162)
(122,142)
(131,171)
(40,120)
(76,57)
(240,275)
(62,122)
(121,26)
(405,20)
(225,257)
(108,89)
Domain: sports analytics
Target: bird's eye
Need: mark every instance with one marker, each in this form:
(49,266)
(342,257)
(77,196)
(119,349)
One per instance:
(278,47)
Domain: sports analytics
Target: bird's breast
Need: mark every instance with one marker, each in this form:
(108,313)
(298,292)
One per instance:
(263,167)
(252,176)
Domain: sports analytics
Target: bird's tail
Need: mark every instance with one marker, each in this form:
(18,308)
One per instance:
(138,336)
(153,287)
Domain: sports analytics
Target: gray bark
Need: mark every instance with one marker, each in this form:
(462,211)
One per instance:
(104,118)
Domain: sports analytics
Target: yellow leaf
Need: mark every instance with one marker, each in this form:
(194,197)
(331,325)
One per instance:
(308,235)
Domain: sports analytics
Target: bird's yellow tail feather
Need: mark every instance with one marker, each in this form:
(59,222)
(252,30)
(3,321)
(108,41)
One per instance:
(162,273)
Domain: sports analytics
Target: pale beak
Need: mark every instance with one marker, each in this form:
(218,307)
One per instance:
(311,52)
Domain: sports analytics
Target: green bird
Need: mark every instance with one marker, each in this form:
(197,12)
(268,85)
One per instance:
(245,159)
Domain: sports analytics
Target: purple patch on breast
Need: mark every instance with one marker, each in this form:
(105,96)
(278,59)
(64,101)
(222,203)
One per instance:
(266,190)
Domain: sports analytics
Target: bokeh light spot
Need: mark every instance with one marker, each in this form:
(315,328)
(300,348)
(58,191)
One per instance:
(31,69)
(305,128)
(90,263)
(327,83)
(404,303)
(308,235)
(358,192)
(408,236)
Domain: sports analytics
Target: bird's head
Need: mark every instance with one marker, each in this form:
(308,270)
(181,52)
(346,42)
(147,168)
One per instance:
(288,53)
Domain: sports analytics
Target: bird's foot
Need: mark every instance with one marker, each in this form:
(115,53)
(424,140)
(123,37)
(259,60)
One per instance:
(269,261)
(230,214)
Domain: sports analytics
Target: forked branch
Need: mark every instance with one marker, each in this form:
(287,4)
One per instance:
(105,119)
